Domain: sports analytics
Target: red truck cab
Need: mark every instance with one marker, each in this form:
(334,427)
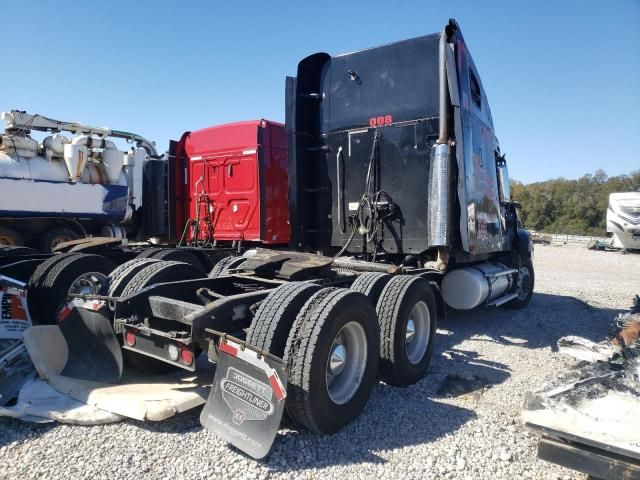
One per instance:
(231,183)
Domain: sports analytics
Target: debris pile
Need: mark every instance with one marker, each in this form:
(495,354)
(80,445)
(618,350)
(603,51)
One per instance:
(16,369)
(598,400)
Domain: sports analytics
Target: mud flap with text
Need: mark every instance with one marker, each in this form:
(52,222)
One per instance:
(94,351)
(247,398)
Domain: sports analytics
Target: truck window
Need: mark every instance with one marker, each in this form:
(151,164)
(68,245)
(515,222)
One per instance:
(475,89)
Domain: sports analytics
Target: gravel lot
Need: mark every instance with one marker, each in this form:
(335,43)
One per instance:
(403,433)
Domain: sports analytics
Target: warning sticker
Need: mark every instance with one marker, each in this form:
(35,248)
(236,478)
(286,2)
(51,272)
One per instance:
(14,313)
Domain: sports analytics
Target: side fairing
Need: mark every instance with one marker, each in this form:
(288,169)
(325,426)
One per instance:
(481,228)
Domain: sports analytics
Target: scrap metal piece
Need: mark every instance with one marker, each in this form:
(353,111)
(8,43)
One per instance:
(138,395)
(16,369)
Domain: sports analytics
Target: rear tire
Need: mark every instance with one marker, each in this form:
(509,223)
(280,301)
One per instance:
(524,287)
(82,273)
(160,272)
(272,322)
(407,313)
(149,252)
(10,237)
(177,255)
(371,284)
(119,278)
(224,265)
(54,236)
(331,359)
(34,286)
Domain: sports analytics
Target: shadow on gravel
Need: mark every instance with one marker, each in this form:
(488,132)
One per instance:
(541,324)
(13,430)
(394,418)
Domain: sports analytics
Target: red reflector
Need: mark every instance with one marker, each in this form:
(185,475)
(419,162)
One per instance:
(64,313)
(186,356)
(276,387)
(130,338)
(226,348)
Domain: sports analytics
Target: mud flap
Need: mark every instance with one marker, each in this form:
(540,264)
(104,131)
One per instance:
(247,397)
(94,351)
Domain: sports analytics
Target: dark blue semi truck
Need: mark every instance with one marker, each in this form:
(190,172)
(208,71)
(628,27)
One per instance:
(400,208)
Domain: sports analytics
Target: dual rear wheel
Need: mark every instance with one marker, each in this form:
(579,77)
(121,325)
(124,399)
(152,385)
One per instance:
(335,342)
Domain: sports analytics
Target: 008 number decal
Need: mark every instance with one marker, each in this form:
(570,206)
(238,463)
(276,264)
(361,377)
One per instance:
(380,121)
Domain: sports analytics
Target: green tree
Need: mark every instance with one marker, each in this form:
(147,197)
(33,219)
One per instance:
(576,207)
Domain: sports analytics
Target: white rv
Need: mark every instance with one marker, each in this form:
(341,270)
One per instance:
(623,220)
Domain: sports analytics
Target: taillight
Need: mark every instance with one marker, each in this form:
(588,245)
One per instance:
(130,338)
(186,356)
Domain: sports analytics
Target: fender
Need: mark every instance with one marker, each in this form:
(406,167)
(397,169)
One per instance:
(523,242)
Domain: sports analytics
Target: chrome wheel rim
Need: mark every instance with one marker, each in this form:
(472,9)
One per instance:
(524,283)
(89,283)
(346,363)
(417,332)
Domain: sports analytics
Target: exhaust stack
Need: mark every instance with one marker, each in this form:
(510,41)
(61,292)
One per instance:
(438,230)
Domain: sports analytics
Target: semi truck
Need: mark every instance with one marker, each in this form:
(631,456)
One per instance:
(399,209)
(62,188)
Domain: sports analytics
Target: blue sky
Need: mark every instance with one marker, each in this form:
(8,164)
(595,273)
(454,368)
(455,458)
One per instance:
(562,77)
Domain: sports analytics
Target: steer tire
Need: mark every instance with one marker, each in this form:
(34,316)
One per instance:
(55,287)
(272,322)
(524,297)
(371,284)
(177,255)
(223,266)
(34,286)
(394,307)
(119,278)
(160,272)
(307,353)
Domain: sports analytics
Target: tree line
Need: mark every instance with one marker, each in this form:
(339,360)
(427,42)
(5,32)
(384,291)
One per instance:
(574,207)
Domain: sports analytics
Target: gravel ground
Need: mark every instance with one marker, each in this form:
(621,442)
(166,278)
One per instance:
(403,433)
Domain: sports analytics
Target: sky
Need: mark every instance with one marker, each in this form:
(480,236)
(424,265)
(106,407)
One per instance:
(562,77)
